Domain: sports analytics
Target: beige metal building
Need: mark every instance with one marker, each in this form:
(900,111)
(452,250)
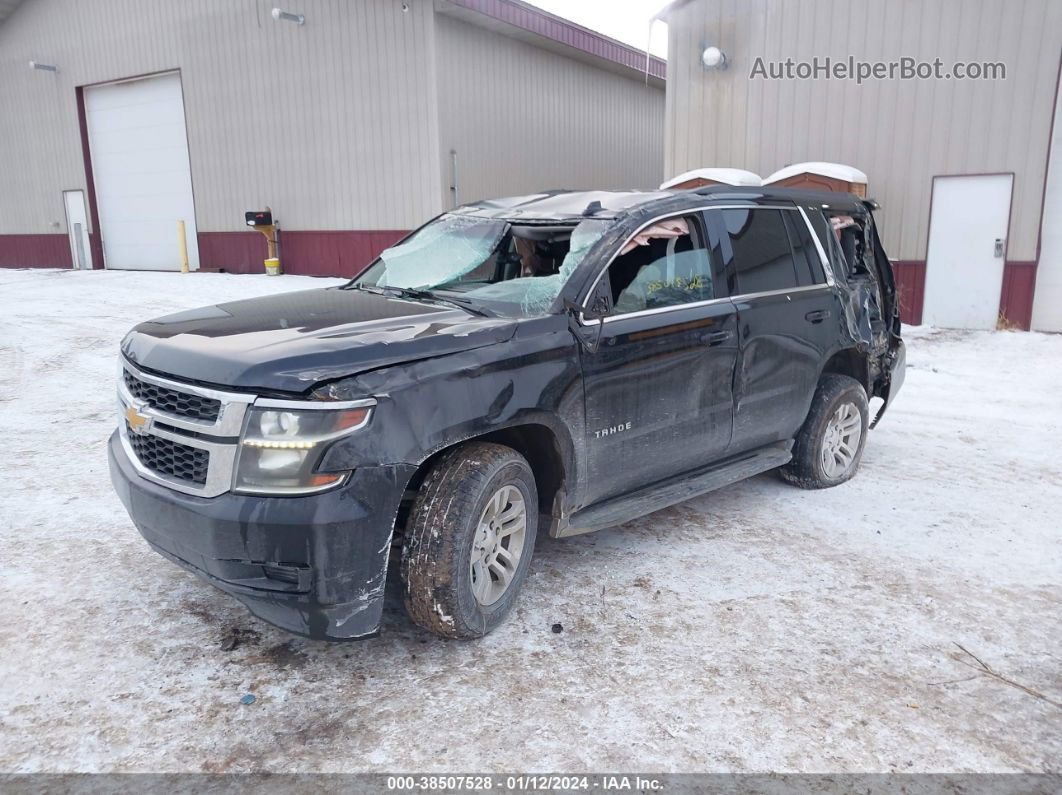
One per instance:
(973,153)
(354,125)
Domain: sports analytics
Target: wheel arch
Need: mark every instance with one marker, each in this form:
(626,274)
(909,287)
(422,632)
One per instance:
(548,451)
(851,362)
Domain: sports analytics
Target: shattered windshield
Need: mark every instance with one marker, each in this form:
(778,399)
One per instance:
(498,266)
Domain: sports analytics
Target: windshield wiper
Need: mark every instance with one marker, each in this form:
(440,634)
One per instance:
(425,295)
(366,287)
(409,292)
(464,303)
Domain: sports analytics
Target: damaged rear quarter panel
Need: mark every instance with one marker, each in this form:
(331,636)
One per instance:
(869,310)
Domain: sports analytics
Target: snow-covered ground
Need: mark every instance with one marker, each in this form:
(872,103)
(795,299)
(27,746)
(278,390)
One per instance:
(759,628)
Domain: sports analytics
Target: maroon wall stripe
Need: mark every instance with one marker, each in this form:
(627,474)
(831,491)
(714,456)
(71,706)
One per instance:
(307,253)
(911,287)
(35,251)
(345,253)
(1016,297)
(340,253)
(232,252)
(317,253)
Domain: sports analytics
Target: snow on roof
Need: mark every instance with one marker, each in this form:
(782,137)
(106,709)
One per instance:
(728,176)
(834,170)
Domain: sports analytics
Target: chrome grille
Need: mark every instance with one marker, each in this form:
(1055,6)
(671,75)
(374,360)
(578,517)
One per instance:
(172,401)
(185,435)
(169,457)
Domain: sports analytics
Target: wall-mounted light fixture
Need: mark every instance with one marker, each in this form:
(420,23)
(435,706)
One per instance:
(713,58)
(287,16)
(44,67)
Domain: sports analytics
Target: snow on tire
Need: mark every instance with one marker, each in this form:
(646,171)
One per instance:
(471,535)
(829,445)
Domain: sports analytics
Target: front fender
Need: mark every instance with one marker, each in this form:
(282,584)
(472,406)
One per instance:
(428,405)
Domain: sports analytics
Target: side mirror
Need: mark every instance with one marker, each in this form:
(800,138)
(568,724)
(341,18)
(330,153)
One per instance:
(599,304)
(599,307)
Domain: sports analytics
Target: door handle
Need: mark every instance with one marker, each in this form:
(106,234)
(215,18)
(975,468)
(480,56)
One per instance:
(715,337)
(817,316)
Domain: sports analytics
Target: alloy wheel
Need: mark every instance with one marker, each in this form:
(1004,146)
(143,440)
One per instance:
(498,545)
(841,440)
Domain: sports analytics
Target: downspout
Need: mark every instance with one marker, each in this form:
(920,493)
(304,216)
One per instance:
(453,177)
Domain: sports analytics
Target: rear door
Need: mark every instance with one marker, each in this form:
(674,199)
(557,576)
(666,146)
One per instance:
(658,383)
(785,319)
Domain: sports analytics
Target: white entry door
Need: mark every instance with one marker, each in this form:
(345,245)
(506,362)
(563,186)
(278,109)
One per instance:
(77,229)
(139,150)
(967,248)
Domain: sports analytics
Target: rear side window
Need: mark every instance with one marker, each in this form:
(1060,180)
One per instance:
(829,243)
(762,255)
(808,263)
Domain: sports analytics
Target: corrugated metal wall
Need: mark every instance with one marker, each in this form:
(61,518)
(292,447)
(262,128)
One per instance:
(301,118)
(1047,310)
(522,118)
(900,133)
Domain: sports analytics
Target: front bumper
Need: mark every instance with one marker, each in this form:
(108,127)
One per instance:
(313,565)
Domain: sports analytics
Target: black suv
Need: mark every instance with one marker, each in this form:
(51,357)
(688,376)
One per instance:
(560,362)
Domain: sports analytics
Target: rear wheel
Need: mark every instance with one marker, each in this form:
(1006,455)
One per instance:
(829,446)
(471,534)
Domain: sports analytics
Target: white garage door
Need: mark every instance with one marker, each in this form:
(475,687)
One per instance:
(139,151)
(967,245)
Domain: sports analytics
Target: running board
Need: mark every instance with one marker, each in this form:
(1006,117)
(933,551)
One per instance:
(670,492)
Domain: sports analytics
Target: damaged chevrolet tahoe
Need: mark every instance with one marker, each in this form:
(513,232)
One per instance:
(555,363)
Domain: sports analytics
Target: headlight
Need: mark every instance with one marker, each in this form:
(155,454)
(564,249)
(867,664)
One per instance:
(284,440)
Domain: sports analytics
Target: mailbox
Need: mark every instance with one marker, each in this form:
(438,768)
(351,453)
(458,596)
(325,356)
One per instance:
(262,221)
(258,218)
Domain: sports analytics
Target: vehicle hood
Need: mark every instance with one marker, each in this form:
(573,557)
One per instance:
(292,341)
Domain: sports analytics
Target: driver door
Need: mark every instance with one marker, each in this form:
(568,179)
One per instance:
(658,384)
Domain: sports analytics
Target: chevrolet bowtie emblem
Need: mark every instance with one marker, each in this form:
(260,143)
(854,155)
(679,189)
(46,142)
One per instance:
(138,423)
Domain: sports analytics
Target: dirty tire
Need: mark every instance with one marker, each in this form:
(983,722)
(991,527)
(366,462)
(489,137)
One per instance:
(806,469)
(442,528)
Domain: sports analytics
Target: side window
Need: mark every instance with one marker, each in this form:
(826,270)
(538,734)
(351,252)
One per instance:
(829,243)
(666,264)
(763,258)
(808,264)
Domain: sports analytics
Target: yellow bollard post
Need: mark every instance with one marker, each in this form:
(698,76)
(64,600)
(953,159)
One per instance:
(182,244)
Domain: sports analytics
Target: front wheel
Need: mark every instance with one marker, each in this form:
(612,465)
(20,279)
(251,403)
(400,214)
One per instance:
(829,446)
(471,534)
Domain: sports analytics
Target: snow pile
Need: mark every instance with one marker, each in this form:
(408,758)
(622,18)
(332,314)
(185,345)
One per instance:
(834,170)
(758,628)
